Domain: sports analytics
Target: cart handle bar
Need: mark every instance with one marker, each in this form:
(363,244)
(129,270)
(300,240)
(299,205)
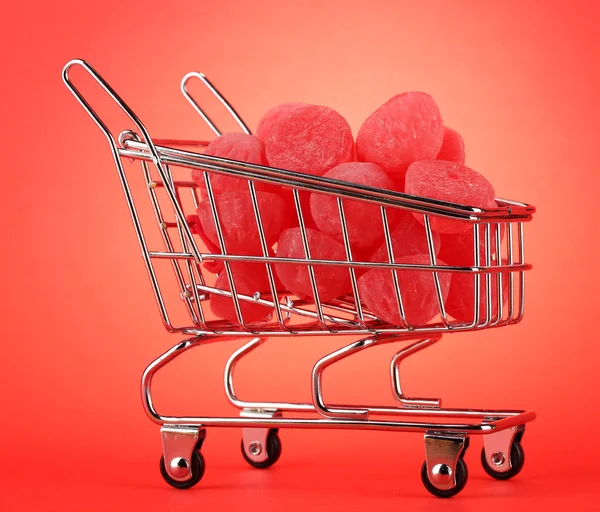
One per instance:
(114,149)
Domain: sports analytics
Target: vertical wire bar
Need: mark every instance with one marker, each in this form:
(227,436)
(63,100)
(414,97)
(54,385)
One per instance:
(198,316)
(196,202)
(511,282)
(191,266)
(165,235)
(265,250)
(142,241)
(195,198)
(477,277)
(311,272)
(390,252)
(488,276)
(436,278)
(215,215)
(522,261)
(184,247)
(499,282)
(359,310)
(195,266)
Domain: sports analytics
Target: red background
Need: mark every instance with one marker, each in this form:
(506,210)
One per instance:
(518,79)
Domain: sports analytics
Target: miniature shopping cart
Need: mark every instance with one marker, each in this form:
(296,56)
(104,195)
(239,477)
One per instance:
(165,169)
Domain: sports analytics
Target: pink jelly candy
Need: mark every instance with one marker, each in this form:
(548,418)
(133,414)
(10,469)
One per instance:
(419,296)
(233,146)
(461,299)
(310,139)
(408,239)
(406,128)
(332,281)
(453,147)
(459,249)
(249,278)
(363,220)
(273,116)
(451,182)
(238,222)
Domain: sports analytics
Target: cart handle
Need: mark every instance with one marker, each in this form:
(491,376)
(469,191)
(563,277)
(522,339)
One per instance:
(208,84)
(114,149)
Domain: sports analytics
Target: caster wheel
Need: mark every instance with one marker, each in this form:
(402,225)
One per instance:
(273,451)
(462,475)
(198,467)
(517,459)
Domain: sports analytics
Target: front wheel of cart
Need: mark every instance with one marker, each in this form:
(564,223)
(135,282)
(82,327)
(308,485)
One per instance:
(517,460)
(197,469)
(273,451)
(462,475)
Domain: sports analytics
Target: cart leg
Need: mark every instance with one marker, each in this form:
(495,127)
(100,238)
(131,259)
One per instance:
(317,380)
(444,472)
(502,456)
(230,392)
(182,465)
(159,363)
(395,374)
(261,447)
(334,357)
(232,362)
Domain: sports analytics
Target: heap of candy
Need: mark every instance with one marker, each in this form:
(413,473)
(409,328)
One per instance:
(403,147)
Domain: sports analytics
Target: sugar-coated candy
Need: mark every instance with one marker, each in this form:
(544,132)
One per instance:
(419,298)
(459,249)
(461,299)
(408,238)
(363,220)
(406,128)
(453,147)
(238,222)
(249,278)
(452,182)
(233,146)
(310,139)
(332,281)
(273,116)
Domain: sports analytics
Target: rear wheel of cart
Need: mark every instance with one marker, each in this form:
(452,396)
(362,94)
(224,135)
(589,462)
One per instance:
(462,475)
(197,468)
(273,451)
(517,460)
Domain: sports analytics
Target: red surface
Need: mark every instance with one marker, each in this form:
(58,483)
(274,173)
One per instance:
(517,79)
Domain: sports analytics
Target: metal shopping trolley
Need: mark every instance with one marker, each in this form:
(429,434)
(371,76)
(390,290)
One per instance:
(498,279)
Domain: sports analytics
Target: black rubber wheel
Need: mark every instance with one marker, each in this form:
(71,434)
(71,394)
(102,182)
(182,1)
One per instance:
(273,451)
(198,467)
(517,460)
(462,475)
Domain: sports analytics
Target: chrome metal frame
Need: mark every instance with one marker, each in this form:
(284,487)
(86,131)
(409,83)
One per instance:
(493,420)
(160,160)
